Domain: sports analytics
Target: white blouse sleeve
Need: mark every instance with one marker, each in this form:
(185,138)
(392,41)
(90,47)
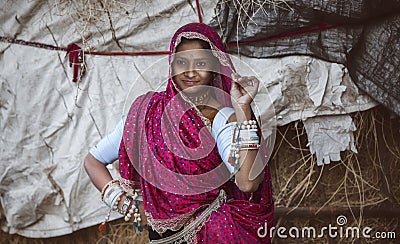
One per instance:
(223,133)
(106,150)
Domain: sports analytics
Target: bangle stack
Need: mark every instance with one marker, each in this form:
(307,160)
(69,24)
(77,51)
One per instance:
(245,137)
(111,196)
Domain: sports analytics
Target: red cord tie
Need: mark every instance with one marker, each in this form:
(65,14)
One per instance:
(76,60)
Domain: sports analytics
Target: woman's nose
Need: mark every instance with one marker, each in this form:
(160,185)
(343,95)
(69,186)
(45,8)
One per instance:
(191,71)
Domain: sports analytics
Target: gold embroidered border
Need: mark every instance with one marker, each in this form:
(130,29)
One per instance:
(162,225)
(189,232)
(130,186)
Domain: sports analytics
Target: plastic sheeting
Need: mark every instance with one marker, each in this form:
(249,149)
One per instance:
(48,123)
(361,34)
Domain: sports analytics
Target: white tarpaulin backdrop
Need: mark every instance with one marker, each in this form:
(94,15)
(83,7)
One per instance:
(49,123)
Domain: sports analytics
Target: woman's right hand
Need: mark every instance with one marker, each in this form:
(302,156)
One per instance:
(244,89)
(143,222)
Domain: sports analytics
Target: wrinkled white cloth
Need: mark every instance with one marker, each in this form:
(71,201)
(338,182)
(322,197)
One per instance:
(330,135)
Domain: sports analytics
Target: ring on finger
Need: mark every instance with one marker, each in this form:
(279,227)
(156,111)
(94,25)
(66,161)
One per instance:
(251,83)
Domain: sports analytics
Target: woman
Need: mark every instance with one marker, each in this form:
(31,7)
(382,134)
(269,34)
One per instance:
(173,146)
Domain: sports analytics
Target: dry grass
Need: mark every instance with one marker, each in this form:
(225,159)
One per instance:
(369,178)
(360,180)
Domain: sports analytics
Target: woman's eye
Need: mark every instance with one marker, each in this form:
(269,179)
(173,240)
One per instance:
(180,62)
(201,64)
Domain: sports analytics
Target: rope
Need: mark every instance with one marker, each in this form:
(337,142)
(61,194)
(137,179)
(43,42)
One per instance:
(199,11)
(320,27)
(76,53)
(127,53)
(51,47)
(32,44)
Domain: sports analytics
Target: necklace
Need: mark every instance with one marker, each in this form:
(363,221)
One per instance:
(200,100)
(200,103)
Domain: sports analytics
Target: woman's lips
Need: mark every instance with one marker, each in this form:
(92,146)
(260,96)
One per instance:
(190,82)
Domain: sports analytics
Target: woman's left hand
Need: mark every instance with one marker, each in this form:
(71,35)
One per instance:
(244,89)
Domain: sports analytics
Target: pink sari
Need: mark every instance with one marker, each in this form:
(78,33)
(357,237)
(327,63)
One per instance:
(163,154)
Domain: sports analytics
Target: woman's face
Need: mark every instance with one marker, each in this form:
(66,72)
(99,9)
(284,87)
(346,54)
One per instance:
(192,67)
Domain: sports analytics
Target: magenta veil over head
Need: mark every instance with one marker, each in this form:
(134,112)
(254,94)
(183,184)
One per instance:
(203,32)
(170,155)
